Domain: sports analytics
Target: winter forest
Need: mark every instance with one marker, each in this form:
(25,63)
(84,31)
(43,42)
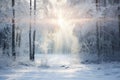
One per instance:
(59,39)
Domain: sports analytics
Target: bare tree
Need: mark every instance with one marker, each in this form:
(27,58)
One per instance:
(30,47)
(34,33)
(32,41)
(18,39)
(119,28)
(119,20)
(97,30)
(97,38)
(13,30)
(33,56)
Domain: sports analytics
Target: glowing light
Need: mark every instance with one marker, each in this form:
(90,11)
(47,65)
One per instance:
(61,22)
(60,2)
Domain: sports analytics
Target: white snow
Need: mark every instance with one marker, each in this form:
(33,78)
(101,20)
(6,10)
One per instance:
(60,67)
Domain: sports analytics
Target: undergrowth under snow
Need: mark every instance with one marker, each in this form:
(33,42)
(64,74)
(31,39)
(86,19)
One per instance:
(57,67)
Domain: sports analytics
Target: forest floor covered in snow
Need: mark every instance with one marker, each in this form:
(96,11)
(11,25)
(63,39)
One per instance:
(60,68)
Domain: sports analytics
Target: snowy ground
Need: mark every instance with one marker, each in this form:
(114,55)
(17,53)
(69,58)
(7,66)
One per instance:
(61,69)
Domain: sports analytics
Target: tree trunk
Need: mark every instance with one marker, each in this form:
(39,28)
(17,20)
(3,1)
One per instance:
(18,40)
(119,28)
(97,39)
(30,32)
(112,41)
(13,30)
(30,50)
(105,3)
(97,32)
(4,47)
(32,45)
(34,34)
(97,4)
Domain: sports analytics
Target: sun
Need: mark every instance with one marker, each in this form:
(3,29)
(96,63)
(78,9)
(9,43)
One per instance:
(61,22)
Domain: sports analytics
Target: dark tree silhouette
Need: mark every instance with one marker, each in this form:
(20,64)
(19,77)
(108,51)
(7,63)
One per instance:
(13,30)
